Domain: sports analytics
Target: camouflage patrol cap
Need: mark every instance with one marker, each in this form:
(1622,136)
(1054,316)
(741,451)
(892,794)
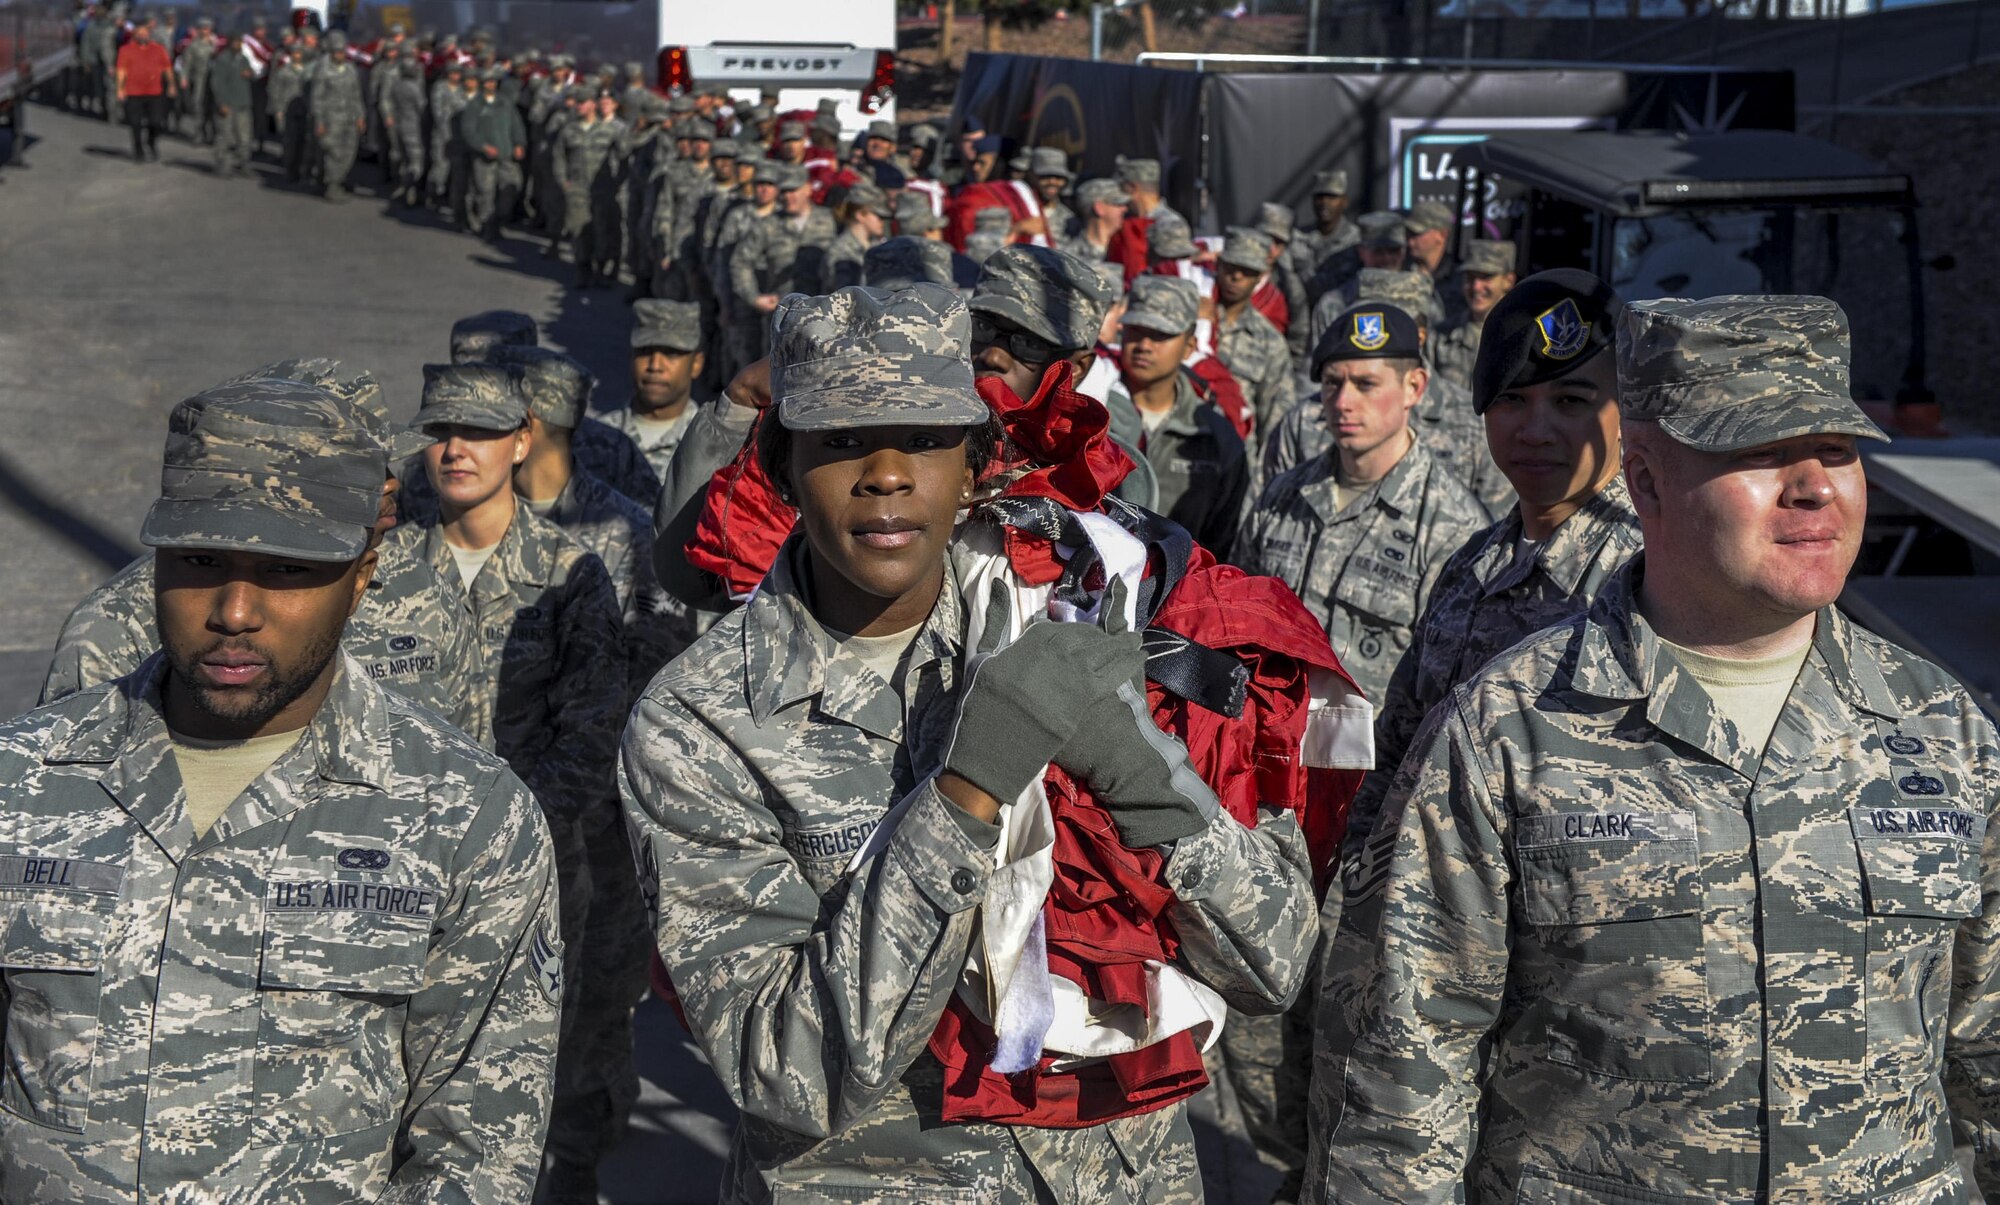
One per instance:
(993,219)
(914,214)
(791,131)
(634,69)
(1055,297)
(923,134)
(1370,330)
(1383,228)
(336,41)
(826,106)
(268,466)
(826,123)
(557,386)
(1409,290)
(866,357)
(1276,222)
(767,171)
(204,22)
(674,325)
(1092,192)
(486,397)
(1169,237)
(361,393)
(885,130)
(1167,304)
(757,113)
(1330,183)
(1143,172)
(1243,247)
(1112,273)
(678,105)
(865,195)
(1488,257)
(474,336)
(725,148)
(493,75)
(1428,215)
(791,176)
(700,129)
(898,263)
(1049,161)
(1727,373)
(1544,327)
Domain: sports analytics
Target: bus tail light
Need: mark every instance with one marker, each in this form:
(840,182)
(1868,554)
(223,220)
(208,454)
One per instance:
(882,88)
(673,73)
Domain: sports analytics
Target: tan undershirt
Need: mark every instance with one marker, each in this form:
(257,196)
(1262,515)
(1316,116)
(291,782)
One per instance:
(471,560)
(214,773)
(883,654)
(1749,694)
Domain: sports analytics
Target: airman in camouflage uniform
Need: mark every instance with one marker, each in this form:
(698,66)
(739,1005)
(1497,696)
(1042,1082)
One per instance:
(742,322)
(287,99)
(1198,460)
(1279,224)
(344,985)
(1245,341)
(1696,948)
(590,173)
(195,60)
(670,330)
(1483,279)
(1383,246)
(405,102)
(1506,584)
(448,99)
(338,115)
(406,634)
(496,141)
(1332,231)
(1364,560)
(1445,419)
(782,252)
(849,249)
(756,769)
(228,81)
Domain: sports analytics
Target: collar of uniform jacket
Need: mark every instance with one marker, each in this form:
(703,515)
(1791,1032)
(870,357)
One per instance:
(1619,657)
(520,560)
(788,657)
(1400,491)
(1181,420)
(350,732)
(1570,552)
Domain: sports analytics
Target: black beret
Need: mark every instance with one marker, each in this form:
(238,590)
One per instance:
(1543,327)
(1372,330)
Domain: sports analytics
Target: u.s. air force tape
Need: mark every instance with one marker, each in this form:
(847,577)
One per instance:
(1563,828)
(61,874)
(1884,823)
(334,895)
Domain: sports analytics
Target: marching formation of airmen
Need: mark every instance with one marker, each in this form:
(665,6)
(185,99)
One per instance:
(356,812)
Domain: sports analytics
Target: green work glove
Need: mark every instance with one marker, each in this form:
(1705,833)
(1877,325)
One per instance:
(1023,703)
(1138,773)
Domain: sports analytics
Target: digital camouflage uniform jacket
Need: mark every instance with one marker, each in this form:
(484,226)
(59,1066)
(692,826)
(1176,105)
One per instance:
(753,770)
(1256,355)
(779,255)
(545,620)
(1599,949)
(1489,599)
(339,993)
(1198,461)
(408,634)
(1365,570)
(620,532)
(656,450)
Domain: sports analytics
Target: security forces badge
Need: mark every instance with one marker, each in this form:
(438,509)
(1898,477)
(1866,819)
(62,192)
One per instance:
(1564,330)
(1371,331)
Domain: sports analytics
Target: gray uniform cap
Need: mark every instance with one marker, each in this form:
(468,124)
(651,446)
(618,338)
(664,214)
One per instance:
(1277,222)
(1330,183)
(791,131)
(361,393)
(1056,297)
(1409,290)
(898,263)
(1090,192)
(865,195)
(1727,373)
(914,214)
(675,325)
(485,397)
(558,387)
(885,130)
(1049,161)
(1169,238)
(1143,172)
(725,148)
(1166,304)
(924,134)
(767,171)
(267,466)
(1489,257)
(791,176)
(1383,228)
(1428,215)
(1245,248)
(473,338)
(701,130)
(864,357)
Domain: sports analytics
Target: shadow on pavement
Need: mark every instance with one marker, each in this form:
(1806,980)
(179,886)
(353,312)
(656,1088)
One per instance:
(107,549)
